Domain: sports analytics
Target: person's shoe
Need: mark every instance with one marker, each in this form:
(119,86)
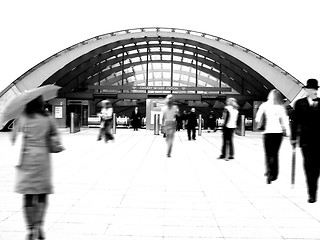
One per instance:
(168,155)
(268,180)
(40,234)
(31,235)
(312,200)
(230,157)
(221,157)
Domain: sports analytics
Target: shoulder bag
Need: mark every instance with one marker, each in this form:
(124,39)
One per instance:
(54,142)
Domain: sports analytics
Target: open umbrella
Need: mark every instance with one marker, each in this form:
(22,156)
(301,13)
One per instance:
(17,105)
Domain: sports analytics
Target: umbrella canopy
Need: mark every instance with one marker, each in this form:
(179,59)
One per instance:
(17,105)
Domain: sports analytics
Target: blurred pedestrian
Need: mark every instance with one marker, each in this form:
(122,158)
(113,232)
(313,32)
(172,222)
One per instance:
(169,119)
(105,121)
(192,123)
(34,179)
(136,119)
(276,125)
(305,124)
(230,117)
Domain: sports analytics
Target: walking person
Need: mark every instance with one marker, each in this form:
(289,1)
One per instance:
(178,120)
(34,179)
(276,125)
(192,123)
(184,118)
(306,125)
(230,117)
(105,121)
(136,119)
(169,119)
(212,121)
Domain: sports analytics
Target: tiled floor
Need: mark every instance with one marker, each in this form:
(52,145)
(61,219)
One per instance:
(128,189)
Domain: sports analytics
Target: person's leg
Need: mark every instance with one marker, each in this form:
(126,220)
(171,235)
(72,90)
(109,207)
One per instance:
(231,147)
(275,147)
(224,143)
(267,141)
(316,175)
(310,172)
(108,133)
(189,133)
(169,139)
(194,133)
(41,207)
(29,212)
(100,133)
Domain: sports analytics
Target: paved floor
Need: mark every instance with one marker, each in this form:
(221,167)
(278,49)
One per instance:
(128,189)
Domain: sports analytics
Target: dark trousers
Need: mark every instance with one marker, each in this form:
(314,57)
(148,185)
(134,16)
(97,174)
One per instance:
(272,143)
(227,137)
(191,133)
(311,168)
(106,131)
(30,200)
(34,206)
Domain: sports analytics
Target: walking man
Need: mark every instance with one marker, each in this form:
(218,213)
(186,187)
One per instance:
(191,124)
(306,119)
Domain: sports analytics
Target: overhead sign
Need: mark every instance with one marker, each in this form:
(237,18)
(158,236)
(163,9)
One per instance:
(161,88)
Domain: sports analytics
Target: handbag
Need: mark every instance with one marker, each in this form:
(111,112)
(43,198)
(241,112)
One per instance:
(262,123)
(54,142)
(17,149)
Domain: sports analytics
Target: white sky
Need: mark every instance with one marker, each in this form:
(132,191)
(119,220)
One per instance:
(284,31)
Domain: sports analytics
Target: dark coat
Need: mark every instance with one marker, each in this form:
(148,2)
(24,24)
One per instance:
(306,122)
(212,121)
(136,119)
(192,120)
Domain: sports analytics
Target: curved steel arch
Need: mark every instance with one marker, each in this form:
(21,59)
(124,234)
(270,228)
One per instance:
(89,67)
(237,66)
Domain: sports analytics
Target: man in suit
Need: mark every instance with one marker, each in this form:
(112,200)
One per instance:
(191,124)
(136,119)
(306,124)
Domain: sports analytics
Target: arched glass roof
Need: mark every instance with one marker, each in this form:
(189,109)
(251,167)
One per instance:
(158,61)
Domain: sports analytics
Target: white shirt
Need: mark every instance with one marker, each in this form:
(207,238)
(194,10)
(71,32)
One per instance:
(106,113)
(277,120)
(169,114)
(233,117)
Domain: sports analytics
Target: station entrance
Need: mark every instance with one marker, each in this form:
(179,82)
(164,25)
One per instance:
(150,104)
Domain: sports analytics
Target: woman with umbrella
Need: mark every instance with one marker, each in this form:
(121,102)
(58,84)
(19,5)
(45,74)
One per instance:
(34,169)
